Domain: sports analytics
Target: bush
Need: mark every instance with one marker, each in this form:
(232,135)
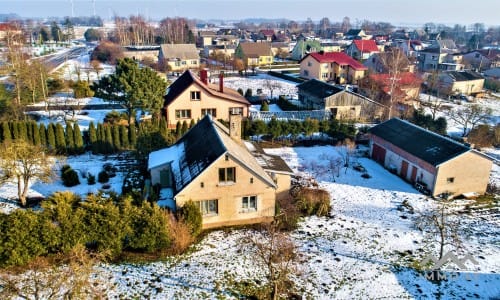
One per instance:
(90,179)
(182,238)
(190,214)
(69,176)
(313,202)
(103,177)
(107,52)
(81,89)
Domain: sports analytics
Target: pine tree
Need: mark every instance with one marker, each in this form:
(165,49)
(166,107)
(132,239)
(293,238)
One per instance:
(43,135)
(70,139)
(108,142)
(163,127)
(36,134)
(98,146)
(23,131)
(178,129)
(29,131)
(184,128)
(92,134)
(124,137)
(192,123)
(6,134)
(14,129)
(78,139)
(116,138)
(51,137)
(60,139)
(132,135)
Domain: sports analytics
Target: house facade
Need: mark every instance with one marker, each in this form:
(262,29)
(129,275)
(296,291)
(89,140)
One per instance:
(441,165)
(335,67)
(211,166)
(179,57)
(190,98)
(483,59)
(343,104)
(255,54)
(464,82)
(362,49)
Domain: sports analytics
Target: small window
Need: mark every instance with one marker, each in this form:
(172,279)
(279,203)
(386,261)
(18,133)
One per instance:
(249,203)
(183,114)
(227,175)
(196,95)
(209,207)
(202,185)
(236,111)
(251,180)
(209,111)
(450,179)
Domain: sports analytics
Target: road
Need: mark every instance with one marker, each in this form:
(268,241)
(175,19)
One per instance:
(55,60)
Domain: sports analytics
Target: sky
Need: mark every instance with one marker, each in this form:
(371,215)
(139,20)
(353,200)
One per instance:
(401,12)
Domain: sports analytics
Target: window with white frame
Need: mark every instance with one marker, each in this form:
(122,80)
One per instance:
(227,175)
(249,203)
(236,111)
(209,111)
(183,114)
(195,95)
(209,207)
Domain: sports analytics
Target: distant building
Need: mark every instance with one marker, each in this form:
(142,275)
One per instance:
(179,57)
(336,67)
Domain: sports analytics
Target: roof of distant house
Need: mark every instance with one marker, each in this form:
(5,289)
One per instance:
(267,32)
(366,46)
(179,51)
(424,144)
(188,78)
(403,79)
(255,50)
(337,57)
(463,75)
(319,88)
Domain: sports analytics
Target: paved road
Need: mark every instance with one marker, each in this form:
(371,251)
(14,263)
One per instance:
(55,60)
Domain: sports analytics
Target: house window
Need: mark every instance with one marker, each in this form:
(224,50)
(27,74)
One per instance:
(177,64)
(249,203)
(450,179)
(309,64)
(184,63)
(194,62)
(236,111)
(227,175)
(196,95)
(209,111)
(209,207)
(306,73)
(324,75)
(183,114)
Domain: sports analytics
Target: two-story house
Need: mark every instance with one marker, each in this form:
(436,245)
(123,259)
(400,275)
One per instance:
(440,56)
(335,67)
(190,98)
(255,54)
(482,59)
(229,179)
(179,57)
(362,49)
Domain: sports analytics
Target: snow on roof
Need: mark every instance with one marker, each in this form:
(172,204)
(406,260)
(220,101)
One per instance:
(167,155)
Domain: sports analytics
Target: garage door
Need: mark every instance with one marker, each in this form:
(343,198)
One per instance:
(378,154)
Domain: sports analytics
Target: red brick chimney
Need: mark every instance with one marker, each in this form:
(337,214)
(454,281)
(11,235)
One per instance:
(221,82)
(204,76)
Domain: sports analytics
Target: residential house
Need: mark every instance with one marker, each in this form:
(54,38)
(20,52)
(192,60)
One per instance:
(405,86)
(304,47)
(342,103)
(280,49)
(410,47)
(362,49)
(383,61)
(255,54)
(440,165)
(335,67)
(211,166)
(483,59)
(439,56)
(141,53)
(179,57)
(267,35)
(460,82)
(190,98)
(205,38)
(357,34)
(219,51)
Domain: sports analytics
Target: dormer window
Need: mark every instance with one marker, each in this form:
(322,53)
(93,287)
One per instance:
(196,95)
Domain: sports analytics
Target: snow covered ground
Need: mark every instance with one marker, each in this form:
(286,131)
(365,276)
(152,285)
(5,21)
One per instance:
(263,82)
(71,68)
(360,251)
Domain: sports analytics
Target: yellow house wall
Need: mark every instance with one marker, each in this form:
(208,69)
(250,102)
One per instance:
(184,101)
(468,87)
(230,196)
(182,67)
(470,171)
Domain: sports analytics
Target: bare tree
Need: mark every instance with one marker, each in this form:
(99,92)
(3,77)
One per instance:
(346,150)
(24,162)
(271,85)
(470,116)
(394,62)
(96,66)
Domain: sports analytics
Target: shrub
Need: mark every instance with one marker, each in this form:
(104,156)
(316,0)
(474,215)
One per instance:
(90,179)
(103,177)
(69,176)
(313,201)
(288,214)
(190,214)
(81,89)
(182,238)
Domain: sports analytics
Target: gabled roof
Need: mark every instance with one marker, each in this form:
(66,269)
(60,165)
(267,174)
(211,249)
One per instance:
(366,46)
(179,51)
(403,79)
(491,54)
(270,163)
(319,88)
(353,32)
(426,145)
(337,57)
(201,146)
(446,44)
(267,32)
(255,50)
(464,75)
(188,78)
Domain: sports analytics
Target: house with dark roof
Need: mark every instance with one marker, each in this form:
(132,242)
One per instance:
(336,67)
(357,34)
(362,49)
(342,103)
(440,165)
(233,182)
(482,59)
(190,98)
(460,82)
(179,57)
(255,54)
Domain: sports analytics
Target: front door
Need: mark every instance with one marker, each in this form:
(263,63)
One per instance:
(404,169)
(414,174)
(378,154)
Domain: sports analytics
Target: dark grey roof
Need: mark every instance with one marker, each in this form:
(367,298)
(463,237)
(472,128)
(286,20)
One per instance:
(178,86)
(426,145)
(464,75)
(318,88)
(267,161)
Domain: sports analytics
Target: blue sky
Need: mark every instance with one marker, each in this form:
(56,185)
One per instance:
(395,11)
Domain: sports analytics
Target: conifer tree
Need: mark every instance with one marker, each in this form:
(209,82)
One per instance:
(108,143)
(78,139)
(178,129)
(23,131)
(132,135)
(184,128)
(70,139)
(98,146)
(124,137)
(6,134)
(163,127)
(92,133)
(43,135)
(36,134)
(192,123)
(29,131)
(60,139)
(51,137)
(14,129)
(116,138)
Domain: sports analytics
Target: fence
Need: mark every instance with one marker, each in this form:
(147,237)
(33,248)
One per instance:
(266,116)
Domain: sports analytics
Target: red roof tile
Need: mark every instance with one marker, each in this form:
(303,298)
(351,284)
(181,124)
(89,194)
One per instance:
(366,46)
(404,79)
(337,57)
